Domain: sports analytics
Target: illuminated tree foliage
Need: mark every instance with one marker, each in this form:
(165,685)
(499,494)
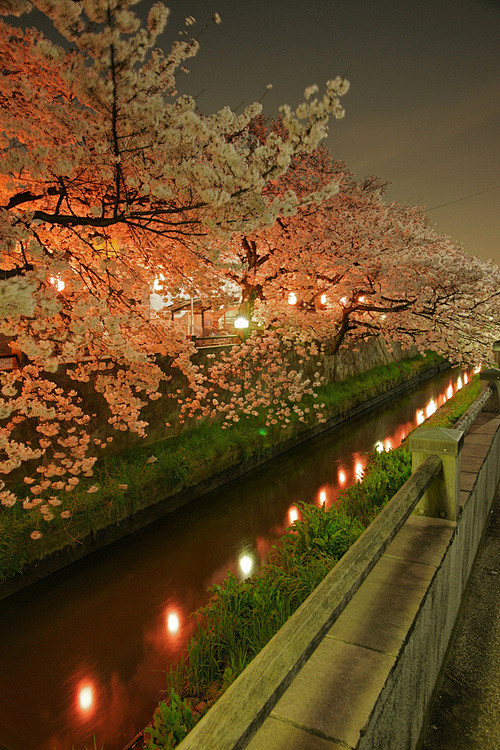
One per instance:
(111,182)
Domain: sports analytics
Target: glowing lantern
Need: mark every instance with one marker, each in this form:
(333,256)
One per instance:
(322,299)
(241,322)
(293,515)
(292,298)
(362,299)
(173,622)
(419,416)
(343,301)
(246,564)
(322,497)
(359,471)
(459,383)
(449,391)
(342,477)
(86,698)
(379,446)
(430,408)
(466,378)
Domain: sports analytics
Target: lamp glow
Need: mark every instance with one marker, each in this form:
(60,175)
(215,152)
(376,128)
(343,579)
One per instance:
(292,298)
(246,564)
(241,322)
(322,299)
(173,622)
(86,698)
(322,497)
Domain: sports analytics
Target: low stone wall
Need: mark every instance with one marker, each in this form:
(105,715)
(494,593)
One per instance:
(399,712)
(371,353)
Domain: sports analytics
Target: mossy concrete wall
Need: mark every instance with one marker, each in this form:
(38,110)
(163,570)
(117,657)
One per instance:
(90,534)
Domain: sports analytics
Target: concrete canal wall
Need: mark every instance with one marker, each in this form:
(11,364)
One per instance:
(92,534)
(356,665)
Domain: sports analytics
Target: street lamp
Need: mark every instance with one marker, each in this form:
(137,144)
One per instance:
(241,322)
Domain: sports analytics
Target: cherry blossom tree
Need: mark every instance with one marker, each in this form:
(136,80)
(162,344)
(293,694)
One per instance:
(354,266)
(111,181)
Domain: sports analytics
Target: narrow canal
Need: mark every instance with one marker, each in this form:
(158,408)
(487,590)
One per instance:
(82,652)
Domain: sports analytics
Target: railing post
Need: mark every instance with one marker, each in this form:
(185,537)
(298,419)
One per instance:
(492,376)
(441,500)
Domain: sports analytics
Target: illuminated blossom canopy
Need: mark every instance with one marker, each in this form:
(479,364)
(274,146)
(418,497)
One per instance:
(110,181)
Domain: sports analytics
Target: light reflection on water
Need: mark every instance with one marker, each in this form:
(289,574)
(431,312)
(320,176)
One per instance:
(85,649)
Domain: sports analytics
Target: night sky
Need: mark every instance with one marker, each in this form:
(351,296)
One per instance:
(423,111)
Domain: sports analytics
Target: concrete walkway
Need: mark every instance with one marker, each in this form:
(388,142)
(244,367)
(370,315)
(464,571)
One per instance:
(466,711)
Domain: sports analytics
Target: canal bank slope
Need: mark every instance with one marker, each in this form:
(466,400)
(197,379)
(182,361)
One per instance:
(89,533)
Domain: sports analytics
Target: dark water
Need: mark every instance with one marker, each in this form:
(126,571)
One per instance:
(82,652)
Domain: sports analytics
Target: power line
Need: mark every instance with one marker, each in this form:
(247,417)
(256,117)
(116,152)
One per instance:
(462,199)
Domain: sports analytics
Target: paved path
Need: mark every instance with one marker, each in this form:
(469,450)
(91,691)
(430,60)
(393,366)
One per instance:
(466,712)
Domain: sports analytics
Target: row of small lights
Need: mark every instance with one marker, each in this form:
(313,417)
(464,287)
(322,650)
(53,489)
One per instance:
(242,322)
